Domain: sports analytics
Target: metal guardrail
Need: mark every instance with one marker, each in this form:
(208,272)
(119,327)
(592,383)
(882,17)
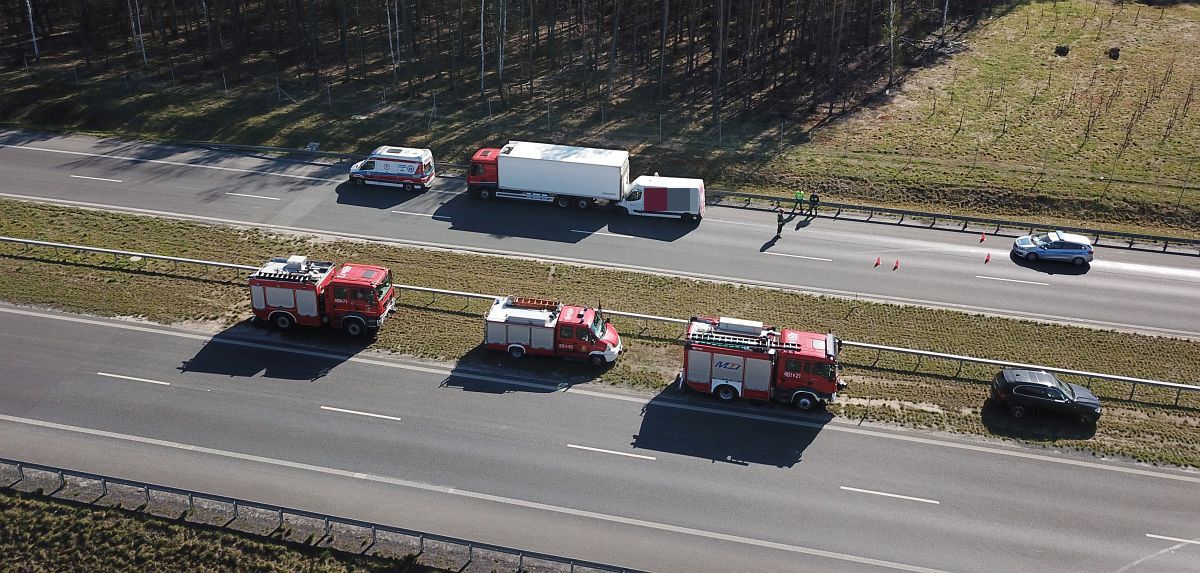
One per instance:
(1134,382)
(327,521)
(967,220)
(1130,239)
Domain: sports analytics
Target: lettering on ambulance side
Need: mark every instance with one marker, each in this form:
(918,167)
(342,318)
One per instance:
(727,365)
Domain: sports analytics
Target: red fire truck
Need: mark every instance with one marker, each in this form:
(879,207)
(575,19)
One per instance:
(741,358)
(536,326)
(295,290)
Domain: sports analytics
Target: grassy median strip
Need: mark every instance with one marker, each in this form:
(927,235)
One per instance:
(37,535)
(899,389)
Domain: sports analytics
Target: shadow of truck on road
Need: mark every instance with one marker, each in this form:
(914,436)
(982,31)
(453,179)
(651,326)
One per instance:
(679,422)
(247,350)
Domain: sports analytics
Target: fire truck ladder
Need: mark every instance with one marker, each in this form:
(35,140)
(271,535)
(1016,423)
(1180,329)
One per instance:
(761,343)
(533,303)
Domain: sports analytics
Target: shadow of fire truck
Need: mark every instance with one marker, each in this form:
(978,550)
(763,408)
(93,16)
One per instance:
(745,433)
(491,372)
(247,350)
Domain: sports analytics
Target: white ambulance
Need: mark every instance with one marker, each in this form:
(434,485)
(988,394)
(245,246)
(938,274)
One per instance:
(405,167)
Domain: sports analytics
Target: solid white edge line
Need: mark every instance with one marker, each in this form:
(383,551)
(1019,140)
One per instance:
(664,404)
(106,374)
(797,256)
(611,452)
(252,196)
(602,233)
(1011,280)
(412,213)
(332,409)
(609,265)
(97,178)
(476,495)
(165,162)
(1175,539)
(895,495)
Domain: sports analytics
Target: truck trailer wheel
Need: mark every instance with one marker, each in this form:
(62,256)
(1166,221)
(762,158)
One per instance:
(517,352)
(562,202)
(353,327)
(583,204)
(485,194)
(726,393)
(283,321)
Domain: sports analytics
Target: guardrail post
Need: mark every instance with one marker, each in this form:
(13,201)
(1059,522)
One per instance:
(62,482)
(1132,389)
(1178,392)
(1165,243)
(520,562)
(918,366)
(1089,382)
(103,488)
(960,367)
(421,543)
(1131,242)
(147,490)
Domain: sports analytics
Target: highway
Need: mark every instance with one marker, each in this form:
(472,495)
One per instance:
(672,482)
(1139,291)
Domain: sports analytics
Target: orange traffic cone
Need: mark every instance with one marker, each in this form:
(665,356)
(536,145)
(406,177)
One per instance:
(982,237)
(877,263)
(897,265)
(987,259)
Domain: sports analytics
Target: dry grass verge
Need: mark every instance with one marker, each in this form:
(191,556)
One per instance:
(888,388)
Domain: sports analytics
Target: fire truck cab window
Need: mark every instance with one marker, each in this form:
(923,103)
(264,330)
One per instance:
(823,370)
(476,169)
(792,365)
(341,293)
(363,294)
(582,333)
(369,166)
(565,332)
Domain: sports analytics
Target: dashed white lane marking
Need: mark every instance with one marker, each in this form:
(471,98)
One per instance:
(165,162)
(663,404)
(602,233)
(106,374)
(446,490)
(96,178)
(628,455)
(1011,280)
(414,214)
(798,257)
(895,495)
(254,196)
(1175,539)
(332,409)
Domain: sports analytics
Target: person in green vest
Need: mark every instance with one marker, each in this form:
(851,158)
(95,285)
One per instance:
(799,196)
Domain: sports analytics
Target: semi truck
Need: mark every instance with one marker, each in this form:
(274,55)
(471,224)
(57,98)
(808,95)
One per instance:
(732,358)
(541,327)
(288,291)
(395,166)
(580,177)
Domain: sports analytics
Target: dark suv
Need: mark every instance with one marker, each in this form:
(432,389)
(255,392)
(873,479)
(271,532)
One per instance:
(1023,390)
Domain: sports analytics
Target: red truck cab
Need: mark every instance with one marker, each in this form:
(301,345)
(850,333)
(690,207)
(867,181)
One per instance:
(295,290)
(483,177)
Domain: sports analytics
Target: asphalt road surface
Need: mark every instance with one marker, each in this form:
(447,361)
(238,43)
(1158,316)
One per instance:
(673,482)
(1141,291)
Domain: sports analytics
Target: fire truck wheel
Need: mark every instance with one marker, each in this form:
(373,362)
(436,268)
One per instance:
(282,321)
(806,402)
(597,360)
(726,393)
(516,351)
(354,327)
(562,202)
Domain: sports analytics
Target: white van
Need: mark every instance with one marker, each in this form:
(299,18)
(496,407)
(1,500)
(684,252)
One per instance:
(655,196)
(406,167)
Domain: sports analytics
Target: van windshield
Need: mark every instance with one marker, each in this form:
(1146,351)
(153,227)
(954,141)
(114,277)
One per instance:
(381,290)
(598,327)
